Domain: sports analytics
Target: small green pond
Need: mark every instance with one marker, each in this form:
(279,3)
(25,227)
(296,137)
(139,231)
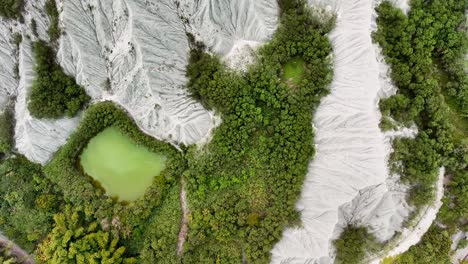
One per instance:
(122,168)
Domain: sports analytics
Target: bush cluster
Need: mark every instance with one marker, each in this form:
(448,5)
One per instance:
(7,120)
(54,94)
(54,29)
(28,202)
(11,8)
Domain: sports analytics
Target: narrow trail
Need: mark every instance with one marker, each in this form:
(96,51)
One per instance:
(184,223)
(22,256)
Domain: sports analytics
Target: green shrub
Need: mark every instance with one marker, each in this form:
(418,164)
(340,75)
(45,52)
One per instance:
(22,186)
(7,120)
(76,240)
(11,8)
(416,46)
(54,94)
(54,29)
(353,244)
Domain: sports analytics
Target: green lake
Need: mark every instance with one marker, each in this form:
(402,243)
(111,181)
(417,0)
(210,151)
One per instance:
(122,168)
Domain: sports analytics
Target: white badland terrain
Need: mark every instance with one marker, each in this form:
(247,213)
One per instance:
(134,52)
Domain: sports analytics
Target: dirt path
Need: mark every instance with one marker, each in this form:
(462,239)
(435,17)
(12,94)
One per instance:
(22,256)
(184,223)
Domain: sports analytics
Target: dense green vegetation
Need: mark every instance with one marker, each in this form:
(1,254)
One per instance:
(28,202)
(353,244)
(6,130)
(11,8)
(455,207)
(243,185)
(75,240)
(54,29)
(433,248)
(54,94)
(160,239)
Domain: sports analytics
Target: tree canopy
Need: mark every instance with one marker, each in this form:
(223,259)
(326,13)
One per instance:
(11,8)
(54,94)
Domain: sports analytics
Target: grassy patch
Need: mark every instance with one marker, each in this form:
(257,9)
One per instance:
(293,71)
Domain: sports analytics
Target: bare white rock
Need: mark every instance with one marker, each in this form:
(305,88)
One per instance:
(34,10)
(411,236)
(220,24)
(402,4)
(135,54)
(8,82)
(460,253)
(241,55)
(232,28)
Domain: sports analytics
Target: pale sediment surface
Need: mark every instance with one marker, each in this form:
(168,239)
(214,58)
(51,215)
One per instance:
(232,28)
(460,253)
(402,4)
(411,236)
(241,55)
(134,53)
(37,139)
(14,250)
(8,82)
(348,181)
(34,10)
(221,24)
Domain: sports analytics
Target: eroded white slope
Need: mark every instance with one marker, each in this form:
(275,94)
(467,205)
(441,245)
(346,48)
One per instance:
(37,139)
(134,53)
(461,253)
(222,23)
(402,4)
(34,10)
(8,82)
(411,236)
(348,179)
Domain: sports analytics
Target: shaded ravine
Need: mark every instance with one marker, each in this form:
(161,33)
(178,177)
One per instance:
(22,256)
(184,222)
